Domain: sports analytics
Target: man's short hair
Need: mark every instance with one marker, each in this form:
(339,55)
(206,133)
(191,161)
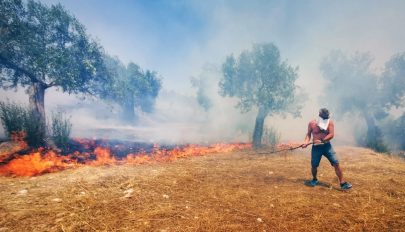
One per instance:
(324,113)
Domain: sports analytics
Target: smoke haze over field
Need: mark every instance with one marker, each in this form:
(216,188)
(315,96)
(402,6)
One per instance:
(178,38)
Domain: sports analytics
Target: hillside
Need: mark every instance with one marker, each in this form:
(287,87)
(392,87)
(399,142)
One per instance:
(240,191)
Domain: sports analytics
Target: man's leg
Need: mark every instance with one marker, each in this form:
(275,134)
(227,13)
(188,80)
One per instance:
(339,173)
(316,156)
(314,171)
(331,155)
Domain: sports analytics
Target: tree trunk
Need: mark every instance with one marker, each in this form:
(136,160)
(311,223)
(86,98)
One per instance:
(36,134)
(128,112)
(258,131)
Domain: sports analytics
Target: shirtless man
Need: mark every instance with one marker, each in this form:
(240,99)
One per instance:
(323,131)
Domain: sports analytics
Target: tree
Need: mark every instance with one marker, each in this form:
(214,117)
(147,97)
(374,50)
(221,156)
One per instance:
(203,85)
(259,78)
(42,47)
(353,88)
(150,86)
(131,87)
(394,130)
(392,82)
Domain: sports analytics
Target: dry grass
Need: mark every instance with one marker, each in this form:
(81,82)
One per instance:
(241,191)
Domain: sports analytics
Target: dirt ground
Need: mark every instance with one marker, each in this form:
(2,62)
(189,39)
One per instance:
(240,191)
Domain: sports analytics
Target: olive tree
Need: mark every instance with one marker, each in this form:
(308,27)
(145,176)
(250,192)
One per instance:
(131,87)
(261,80)
(45,46)
(354,88)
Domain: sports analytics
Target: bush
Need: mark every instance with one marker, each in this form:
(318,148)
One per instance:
(12,117)
(271,136)
(35,133)
(16,119)
(375,141)
(60,130)
(395,132)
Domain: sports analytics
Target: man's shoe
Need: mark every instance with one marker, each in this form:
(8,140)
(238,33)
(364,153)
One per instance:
(345,186)
(313,182)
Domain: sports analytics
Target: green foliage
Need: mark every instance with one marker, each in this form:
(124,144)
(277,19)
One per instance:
(393,81)
(353,88)
(375,141)
(36,133)
(46,44)
(395,132)
(12,117)
(130,85)
(60,130)
(259,78)
(16,118)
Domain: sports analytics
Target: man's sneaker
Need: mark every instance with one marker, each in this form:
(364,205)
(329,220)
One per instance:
(313,182)
(345,186)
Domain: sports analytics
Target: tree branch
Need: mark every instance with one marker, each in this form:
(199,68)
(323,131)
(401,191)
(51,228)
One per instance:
(15,67)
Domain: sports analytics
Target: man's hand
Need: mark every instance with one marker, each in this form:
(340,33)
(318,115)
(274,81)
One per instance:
(304,145)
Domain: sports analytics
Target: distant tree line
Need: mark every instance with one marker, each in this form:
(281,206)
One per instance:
(354,89)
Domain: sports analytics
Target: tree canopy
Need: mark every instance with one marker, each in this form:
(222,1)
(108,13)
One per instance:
(131,86)
(47,45)
(260,79)
(44,46)
(354,88)
(350,81)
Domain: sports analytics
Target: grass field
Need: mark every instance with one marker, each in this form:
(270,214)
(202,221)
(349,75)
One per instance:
(240,191)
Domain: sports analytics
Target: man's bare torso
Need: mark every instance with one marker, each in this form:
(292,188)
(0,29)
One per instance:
(317,133)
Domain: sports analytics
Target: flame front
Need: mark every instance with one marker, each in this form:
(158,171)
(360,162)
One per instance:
(42,161)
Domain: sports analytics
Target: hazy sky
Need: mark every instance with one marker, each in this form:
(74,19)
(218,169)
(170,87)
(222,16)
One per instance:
(176,37)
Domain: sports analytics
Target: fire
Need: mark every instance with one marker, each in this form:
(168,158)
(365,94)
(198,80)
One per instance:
(103,157)
(45,161)
(34,164)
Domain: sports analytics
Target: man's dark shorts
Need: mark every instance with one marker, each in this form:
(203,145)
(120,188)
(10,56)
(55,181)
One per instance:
(326,150)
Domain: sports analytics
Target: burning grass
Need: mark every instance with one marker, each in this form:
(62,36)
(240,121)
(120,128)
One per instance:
(239,191)
(94,153)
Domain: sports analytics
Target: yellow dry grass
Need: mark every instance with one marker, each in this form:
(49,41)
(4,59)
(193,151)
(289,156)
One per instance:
(241,191)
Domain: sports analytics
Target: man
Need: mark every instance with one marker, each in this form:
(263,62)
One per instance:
(323,131)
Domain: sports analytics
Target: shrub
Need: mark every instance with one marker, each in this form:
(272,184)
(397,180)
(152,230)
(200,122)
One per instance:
(35,134)
(16,118)
(395,132)
(375,140)
(12,117)
(60,130)
(271,136)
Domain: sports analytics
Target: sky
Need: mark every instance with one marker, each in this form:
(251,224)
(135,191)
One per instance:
(177,38)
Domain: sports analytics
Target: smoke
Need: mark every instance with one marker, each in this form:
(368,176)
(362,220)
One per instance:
(177,39)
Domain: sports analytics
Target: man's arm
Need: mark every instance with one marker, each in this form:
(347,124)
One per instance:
(307,137)
(331,134)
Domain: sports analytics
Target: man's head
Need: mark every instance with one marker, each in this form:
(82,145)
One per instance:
(324,113)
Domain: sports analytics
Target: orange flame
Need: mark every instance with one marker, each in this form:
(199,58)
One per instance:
(34,164)
(41,161)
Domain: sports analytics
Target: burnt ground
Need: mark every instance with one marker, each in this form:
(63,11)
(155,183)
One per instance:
(240,191)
